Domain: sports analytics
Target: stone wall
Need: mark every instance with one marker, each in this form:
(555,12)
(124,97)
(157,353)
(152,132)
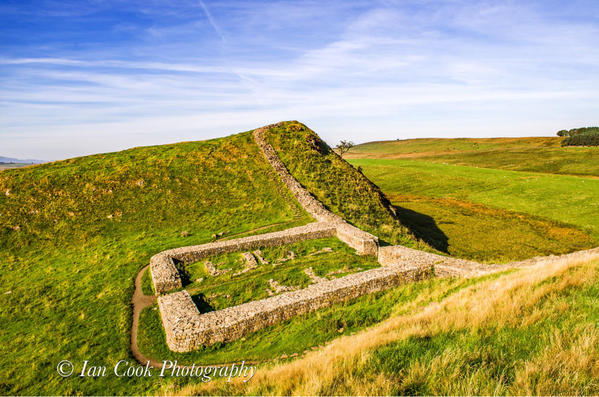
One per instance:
(312,206)
(450,267)
(166,277)
(364,243)
(398,255)
(187,329)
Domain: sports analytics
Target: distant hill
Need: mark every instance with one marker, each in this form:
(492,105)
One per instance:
(10,160)
(534,154)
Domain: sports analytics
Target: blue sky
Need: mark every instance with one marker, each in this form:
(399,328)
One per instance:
(81,77)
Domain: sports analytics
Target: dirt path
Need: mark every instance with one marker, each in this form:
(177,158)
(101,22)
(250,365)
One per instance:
(140,302)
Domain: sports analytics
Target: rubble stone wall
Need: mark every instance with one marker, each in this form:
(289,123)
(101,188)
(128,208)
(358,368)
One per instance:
(166,277)
(187,329)
(364,243)
(314,207)
(398,255)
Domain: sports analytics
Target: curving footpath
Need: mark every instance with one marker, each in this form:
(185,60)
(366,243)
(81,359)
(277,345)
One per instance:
(140,302)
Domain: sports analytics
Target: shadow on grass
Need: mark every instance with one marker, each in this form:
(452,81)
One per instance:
(423,227)
(201,303)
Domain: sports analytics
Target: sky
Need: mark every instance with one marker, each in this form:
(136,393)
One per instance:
(87,76)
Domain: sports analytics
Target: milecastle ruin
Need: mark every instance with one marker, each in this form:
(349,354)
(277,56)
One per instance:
(188,329)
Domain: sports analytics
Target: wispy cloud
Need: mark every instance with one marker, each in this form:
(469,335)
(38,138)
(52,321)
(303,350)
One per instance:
(213,23)
(358,70)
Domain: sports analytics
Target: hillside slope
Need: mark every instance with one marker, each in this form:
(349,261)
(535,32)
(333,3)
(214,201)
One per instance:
(528,332)
(73,235)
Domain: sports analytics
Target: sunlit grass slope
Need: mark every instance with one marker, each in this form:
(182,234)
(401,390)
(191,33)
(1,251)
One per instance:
(338,185)
(427,146)
(73,235)
(489,214)
(534,331)
(543,154)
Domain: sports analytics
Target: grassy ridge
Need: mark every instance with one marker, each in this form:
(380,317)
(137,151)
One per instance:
(566,206)
(534,331)
(342,188)
(73,235)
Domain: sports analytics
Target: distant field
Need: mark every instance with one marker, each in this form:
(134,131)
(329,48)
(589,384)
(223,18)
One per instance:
(517,154)
(490,214)
(449,145)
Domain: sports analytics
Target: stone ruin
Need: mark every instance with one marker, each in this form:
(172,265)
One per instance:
(188,329)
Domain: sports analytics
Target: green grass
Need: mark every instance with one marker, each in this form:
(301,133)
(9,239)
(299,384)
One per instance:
(490,360)
(339,186)
(571,160)
(540,213)
(515,154)
(478,232)
(448,145)
(228,289)
(74,234)
(147,287)
(304,332)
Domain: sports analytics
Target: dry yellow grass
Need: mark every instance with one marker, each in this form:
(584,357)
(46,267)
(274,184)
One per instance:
(513,300)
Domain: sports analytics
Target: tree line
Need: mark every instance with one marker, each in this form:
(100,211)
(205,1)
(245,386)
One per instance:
(586,136)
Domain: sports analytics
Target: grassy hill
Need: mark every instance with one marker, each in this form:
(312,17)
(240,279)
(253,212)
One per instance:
(542,154)
(74,234)
(338,185)
(489,199)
